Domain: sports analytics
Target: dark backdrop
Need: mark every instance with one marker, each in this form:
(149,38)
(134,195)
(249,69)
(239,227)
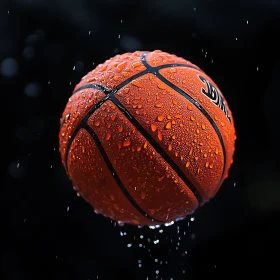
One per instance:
(50,233)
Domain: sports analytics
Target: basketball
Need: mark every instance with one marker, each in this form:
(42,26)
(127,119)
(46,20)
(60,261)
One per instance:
(146,138)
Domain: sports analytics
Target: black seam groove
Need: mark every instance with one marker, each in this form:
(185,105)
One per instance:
(97,86)
(115,175)
(154,70)
(118,87)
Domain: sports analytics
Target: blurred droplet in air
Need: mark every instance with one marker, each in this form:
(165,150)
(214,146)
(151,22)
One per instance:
(32,90)
(129,43)
(22,133)
(16,169)
(28,52)
(30,39)
(9,67)
(79,66)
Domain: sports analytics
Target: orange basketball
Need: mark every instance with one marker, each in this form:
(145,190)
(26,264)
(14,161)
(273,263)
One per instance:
(146,138)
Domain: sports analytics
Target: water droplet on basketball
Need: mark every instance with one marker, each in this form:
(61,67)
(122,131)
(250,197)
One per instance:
(153,127)
(113,117)
(136,64)
(190,107)
(108,136)
(168,125)
(126,142)
(159,135)
(161,86)
(135,83)
(121,66)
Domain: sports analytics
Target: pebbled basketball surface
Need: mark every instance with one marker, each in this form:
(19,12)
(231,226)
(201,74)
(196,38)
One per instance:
(146,138)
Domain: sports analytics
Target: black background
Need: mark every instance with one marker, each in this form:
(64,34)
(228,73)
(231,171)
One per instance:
(235,235)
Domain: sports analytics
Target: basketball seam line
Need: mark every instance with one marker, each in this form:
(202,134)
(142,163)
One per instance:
(115,175)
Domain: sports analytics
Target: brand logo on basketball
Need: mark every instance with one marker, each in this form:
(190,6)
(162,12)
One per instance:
(215,96)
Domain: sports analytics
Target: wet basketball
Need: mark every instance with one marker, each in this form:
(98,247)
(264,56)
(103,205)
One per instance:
(147,138)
